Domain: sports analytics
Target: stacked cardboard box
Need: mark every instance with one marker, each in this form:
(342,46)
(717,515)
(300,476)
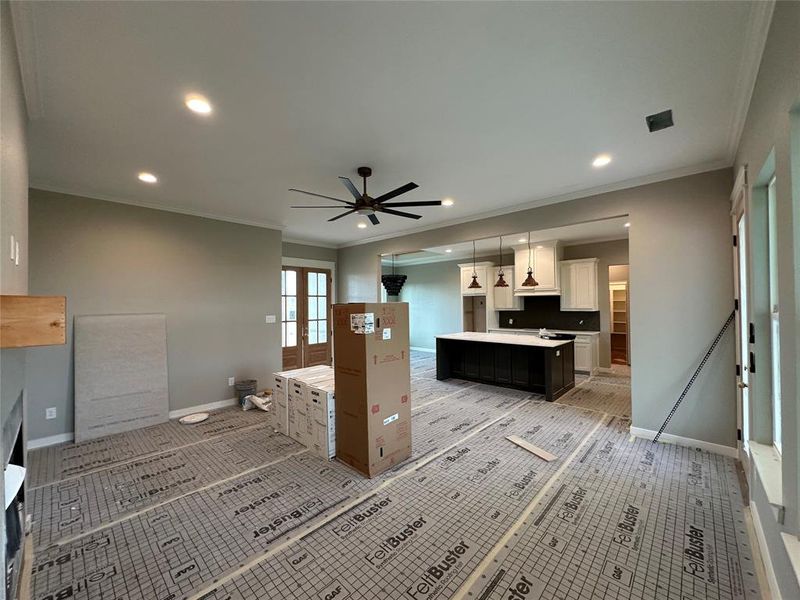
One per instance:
(373,385)
(280,394)
(304,408)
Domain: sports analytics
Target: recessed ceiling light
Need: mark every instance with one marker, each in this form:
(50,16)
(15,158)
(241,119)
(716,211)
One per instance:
(601,160)
(539,247)
(362,225)
(522,240)
(147,177)
(449,250)
(447,202)
(627,224)
(199,104)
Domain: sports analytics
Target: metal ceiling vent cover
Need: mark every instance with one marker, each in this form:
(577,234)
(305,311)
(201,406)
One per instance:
(659,121)
(393,282)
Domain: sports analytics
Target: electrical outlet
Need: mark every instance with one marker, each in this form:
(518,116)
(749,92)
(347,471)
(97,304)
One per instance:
(231,381)
(50,413)
(270,318)
(511,321)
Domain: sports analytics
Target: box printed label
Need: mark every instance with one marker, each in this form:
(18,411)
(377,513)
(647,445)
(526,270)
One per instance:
(391,419)
(362,323)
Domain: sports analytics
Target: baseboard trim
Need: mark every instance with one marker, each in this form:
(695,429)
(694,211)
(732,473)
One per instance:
(766,560)
(173,414)
(421,349)
(649,434)
(182,412)
(51,440)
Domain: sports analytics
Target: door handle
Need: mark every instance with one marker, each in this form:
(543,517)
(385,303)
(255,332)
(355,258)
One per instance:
(742,385)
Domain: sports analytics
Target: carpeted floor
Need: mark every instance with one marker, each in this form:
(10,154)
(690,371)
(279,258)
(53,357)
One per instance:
(230,510)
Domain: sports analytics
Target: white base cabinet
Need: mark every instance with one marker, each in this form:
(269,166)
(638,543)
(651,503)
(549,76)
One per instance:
(587,353)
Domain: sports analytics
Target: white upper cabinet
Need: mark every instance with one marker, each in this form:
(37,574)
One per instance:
(579,284)
(484,271)
(544,259)
(504,298)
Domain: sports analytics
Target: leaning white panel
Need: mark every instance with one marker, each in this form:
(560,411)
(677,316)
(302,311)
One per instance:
(120,374)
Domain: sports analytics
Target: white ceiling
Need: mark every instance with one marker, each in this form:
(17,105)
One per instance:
(570,235)
(497,105)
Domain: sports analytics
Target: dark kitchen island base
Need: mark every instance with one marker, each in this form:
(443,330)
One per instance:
(544,369)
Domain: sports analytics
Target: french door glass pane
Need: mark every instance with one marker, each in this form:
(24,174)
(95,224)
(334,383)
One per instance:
(322,279)
(312,307)
(322,307)
(291,334)
(312,332)
(291,308)
(312,284)
(322,331)
(291,283)
(283,283)
(283,308)
(283,335)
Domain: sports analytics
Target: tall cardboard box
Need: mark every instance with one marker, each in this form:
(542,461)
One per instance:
(373,385)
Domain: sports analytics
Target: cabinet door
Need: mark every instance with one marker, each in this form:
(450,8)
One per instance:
(567,297)
(466,279)
(583,356)
(583,282)
(545,265)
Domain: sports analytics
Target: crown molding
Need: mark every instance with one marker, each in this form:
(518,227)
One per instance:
(754,39)
(45,187)
(291,240)
(23,19)
(544,201)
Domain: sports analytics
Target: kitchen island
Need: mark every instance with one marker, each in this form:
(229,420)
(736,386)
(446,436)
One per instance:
(525,362)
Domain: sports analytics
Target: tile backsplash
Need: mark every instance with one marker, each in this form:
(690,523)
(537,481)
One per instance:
(545,311)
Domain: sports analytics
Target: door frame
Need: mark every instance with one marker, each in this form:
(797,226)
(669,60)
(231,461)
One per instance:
(740,200)
(306,263)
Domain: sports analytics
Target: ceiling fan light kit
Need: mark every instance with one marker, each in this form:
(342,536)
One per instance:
(367,205)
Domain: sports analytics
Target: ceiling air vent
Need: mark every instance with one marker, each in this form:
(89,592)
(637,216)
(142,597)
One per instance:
(659,121)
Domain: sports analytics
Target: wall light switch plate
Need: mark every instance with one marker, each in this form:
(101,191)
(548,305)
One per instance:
(50,413)
(270,318)
(231,381)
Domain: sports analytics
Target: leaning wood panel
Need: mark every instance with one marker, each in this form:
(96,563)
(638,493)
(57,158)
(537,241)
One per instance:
(32,321)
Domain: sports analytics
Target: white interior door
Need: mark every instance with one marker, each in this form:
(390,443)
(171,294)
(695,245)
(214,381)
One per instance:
(742,341)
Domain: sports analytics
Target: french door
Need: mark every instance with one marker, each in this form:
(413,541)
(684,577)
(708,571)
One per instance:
(305,317)
(740,261)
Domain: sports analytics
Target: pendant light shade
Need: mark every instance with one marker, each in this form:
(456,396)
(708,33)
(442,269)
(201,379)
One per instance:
(501,282)
(474,285)
(393,283)
(529,280)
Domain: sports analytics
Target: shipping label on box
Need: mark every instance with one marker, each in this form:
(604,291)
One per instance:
(362,323)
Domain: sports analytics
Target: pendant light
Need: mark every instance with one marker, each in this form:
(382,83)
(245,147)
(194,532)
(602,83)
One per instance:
(529,280)
(501,282)
(393,283)
(474,285)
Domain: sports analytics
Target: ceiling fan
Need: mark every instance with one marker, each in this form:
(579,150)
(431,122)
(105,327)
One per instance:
(367,205)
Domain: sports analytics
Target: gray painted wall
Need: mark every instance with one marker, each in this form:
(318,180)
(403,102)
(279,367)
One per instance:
(305,251)
(433,293)
(768,127)
(214,280)
(680,233)
(608,253)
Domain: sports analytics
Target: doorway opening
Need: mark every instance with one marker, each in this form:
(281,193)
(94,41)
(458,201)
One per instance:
(619,314)
(305,316)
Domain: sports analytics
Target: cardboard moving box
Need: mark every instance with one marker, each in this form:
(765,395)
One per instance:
(279,415)
(373,385)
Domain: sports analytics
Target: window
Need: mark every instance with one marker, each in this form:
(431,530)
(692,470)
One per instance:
(775,340)
(288,309)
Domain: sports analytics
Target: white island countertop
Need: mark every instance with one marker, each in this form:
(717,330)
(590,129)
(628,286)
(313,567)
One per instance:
(501,338)
(535,331)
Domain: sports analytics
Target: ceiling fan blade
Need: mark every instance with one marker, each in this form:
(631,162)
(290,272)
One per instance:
(337,206)
(321,196)
(349,185)
(401,190)
(420,203)
(344,214)
(398,213)
(374,218)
